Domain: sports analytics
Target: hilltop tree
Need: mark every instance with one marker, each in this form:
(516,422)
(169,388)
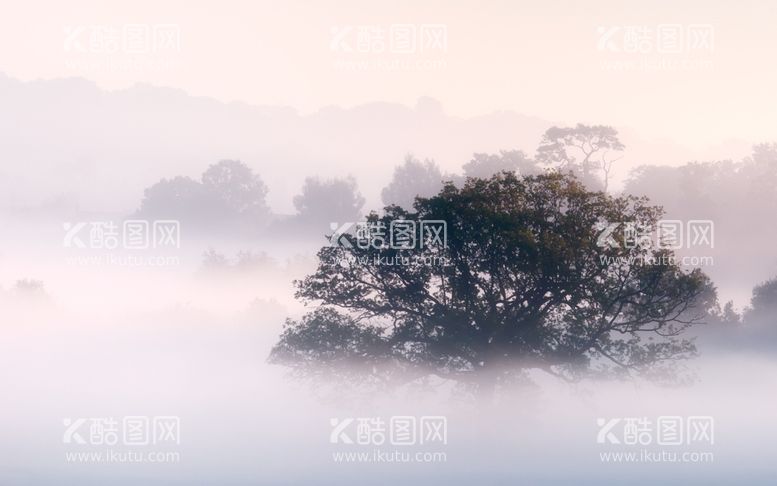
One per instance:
(587,151)
(521,283)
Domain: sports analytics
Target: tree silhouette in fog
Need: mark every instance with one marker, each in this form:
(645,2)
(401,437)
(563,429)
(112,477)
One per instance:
(588,151)
(522,283)
(332,200)
(230,194)
(234,183)
(181,198)
(411,179)
(740,197)
(485,165)
(424,179)
(763,305)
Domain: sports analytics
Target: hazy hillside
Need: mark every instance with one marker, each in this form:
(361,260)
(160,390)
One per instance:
(102,148)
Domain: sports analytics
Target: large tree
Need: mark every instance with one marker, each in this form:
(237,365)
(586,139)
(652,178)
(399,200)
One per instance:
(588,151)
(522,282)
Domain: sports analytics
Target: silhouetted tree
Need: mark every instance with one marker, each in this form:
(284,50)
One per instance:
(213,260)
(760,171)
(763,305)
(333,200)
(230,197)
(181,198)
(234,183)
(30,288)
(411,179)
(583,150)
(487,165)
(729,316)
(520,284)
(738,196)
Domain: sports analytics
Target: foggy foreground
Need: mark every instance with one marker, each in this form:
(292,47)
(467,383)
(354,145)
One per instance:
(127,342)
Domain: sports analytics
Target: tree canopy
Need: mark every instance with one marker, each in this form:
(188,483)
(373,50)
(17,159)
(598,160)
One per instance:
(412,179)
(587,151)
(521,283)
(329,200)
(485,165)
(234,183)
(229,193)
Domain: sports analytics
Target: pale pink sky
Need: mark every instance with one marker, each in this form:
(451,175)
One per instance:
(537,58)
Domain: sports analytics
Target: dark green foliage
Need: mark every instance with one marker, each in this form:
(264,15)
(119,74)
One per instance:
(521,284)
